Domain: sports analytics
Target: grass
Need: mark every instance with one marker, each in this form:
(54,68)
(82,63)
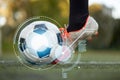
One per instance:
(11,72)
(101,56)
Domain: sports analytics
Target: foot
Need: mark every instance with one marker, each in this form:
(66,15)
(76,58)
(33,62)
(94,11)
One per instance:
(89,29)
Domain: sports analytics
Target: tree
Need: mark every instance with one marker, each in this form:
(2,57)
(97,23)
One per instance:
(106,26)
(116,35)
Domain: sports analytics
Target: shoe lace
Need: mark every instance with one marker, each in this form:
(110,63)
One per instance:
(65,35)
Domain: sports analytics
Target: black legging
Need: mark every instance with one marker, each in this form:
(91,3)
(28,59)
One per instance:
(78,14)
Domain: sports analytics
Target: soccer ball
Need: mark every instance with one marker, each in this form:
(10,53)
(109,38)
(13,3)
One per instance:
(40,42)
(36,41)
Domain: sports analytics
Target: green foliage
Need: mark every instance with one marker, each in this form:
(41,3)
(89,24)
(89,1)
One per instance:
(106,29)
(116,35)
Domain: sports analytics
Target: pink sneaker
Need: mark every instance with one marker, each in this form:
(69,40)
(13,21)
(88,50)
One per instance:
(90,28)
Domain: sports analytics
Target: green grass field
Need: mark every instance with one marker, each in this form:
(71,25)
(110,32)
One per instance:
(16,71)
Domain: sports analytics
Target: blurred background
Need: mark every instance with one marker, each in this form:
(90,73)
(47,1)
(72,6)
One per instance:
(103,48)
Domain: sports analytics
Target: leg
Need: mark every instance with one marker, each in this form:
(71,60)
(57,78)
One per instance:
(78,14)
(81,25)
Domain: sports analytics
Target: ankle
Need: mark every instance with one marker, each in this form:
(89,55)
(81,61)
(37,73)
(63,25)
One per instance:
(79,25)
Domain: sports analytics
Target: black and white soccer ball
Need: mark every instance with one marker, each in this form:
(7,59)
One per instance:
(40,42)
